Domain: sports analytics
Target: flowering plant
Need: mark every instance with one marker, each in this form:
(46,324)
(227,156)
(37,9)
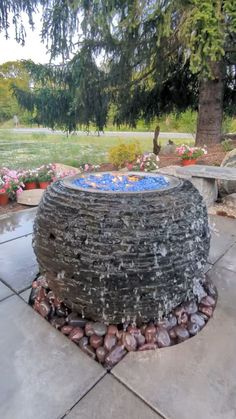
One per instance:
(10,182)
(146,162)
(90,167)
(28,176)
(46,173)
(190,153)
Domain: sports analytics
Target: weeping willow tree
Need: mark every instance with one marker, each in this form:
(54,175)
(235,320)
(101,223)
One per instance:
(147,57)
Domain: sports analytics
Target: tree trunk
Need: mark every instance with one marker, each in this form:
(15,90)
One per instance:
(210,108)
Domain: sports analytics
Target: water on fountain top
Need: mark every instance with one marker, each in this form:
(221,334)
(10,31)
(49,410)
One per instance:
(119,182)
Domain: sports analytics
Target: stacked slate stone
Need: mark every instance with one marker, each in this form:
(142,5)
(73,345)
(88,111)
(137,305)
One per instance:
(122,256)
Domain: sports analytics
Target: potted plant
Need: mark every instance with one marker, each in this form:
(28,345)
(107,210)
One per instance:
(189,155)
(10,185)
(46,175)
(4,190)
(146,162)
(30,179)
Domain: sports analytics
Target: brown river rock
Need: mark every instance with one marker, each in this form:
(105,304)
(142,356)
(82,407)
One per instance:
(89,331)
(112,330)
(130,342)
(109,342)
(101,353)
(148,347)
(208,301)
(208,311)
(150,333)
(66,329)
(96,341)
(76,334)
(115,356)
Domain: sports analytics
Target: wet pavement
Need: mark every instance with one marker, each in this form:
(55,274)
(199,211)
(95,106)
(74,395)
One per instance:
(45,376)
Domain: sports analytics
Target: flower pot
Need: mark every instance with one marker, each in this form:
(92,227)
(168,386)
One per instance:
(44,185)
(4,199)
(189,162)
(129,166)
(30,185)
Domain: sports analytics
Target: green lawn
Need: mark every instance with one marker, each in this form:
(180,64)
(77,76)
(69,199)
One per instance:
(32,150)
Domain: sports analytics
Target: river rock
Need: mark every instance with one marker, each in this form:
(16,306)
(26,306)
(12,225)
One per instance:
(208,311)
(191,307)
(197,318)
(109,342)
(76,334)
(193,328)
(66,329)
(150,333)
(140,339)
(76,321)
(181,333)
(180,313)
(208,301)
(100,329)
(115,356)
(83,342)
(148,347)
(163,338)
(101,353)
(96,341)
(112,330)
(130,342)
(89,330)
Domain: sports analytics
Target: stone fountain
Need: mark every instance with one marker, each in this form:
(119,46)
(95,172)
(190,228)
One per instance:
(131,252)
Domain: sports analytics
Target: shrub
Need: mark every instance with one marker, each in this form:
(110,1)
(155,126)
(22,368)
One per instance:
(124,153)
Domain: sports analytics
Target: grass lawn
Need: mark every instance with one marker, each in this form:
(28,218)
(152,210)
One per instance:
(34,149)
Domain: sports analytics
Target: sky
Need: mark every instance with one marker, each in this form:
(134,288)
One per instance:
(10,50)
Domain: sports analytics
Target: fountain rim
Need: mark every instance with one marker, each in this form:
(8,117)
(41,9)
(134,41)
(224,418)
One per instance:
(173,183)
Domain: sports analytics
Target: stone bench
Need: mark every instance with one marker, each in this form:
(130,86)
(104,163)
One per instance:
(204,178)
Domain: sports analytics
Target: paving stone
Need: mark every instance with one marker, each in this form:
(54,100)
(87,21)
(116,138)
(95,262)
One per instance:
(223,232)
(25,294)
(197,378)
(228,261)
(110,399)
(43,374)
(18,266)
(4,291)
(16,225)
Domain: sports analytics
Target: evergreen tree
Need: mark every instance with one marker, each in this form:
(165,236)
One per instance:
(153,55)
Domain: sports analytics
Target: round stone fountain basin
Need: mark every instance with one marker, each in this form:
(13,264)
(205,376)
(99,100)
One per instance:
(122,254)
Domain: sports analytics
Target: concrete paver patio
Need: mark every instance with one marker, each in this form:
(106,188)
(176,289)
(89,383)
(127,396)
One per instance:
(45,376)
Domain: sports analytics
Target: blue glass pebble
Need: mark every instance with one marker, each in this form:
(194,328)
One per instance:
(121,183)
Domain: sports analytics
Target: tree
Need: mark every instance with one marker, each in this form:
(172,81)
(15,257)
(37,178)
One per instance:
(12,72)
(153,52)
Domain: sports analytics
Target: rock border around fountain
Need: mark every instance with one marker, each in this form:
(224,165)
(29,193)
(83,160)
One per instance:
(109,343)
